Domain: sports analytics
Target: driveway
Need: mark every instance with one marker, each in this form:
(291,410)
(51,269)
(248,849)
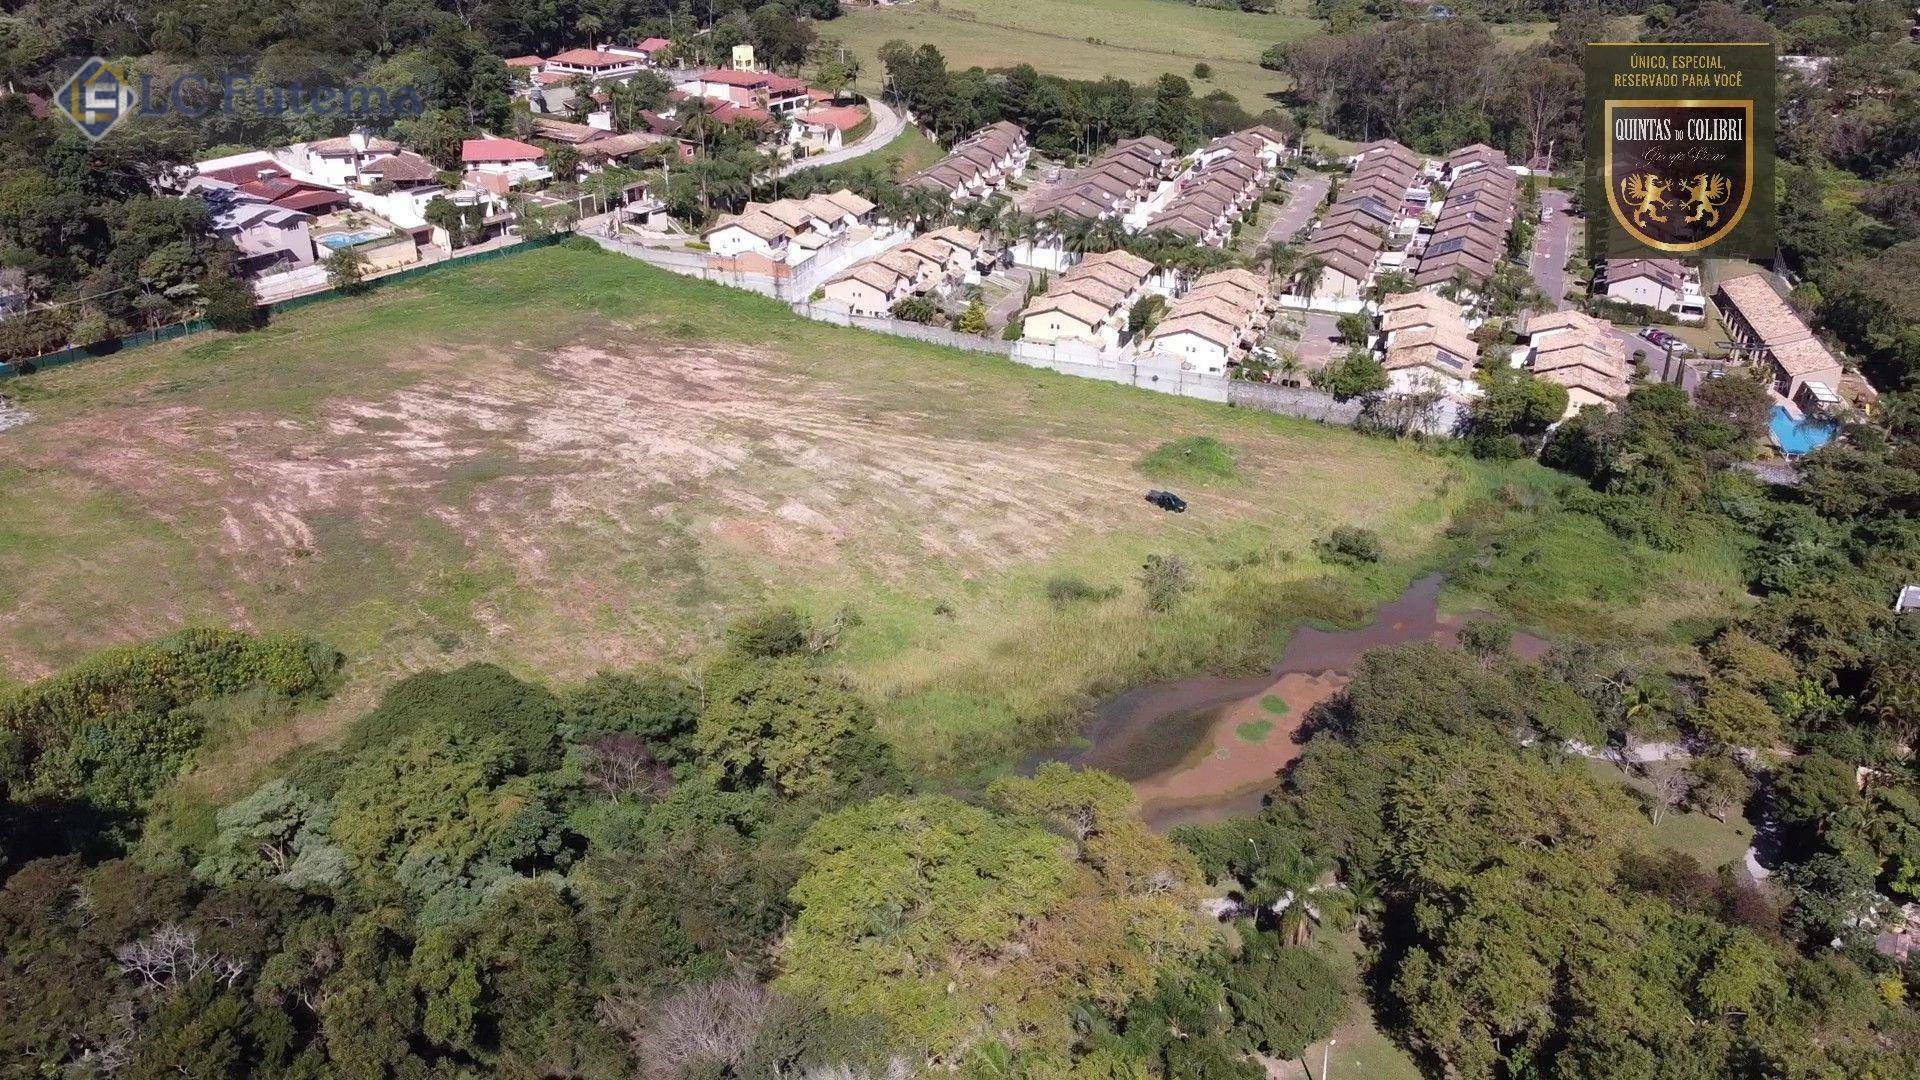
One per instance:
(887,123)
(1303,198)
(1550,246)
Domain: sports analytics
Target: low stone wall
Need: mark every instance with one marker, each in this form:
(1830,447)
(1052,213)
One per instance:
(1294,401)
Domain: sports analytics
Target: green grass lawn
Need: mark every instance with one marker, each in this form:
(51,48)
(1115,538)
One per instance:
(1712,842)
(1138,40)
(1359,1048)
(1570,574)
(911,149)
(567,461)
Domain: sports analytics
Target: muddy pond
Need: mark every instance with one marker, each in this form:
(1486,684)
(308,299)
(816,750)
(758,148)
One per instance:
(1208,747)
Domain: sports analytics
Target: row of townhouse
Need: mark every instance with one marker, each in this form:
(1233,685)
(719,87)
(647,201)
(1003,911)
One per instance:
(1091,302)
(930,263)
(1667,285)
(1759,320)
(984,162)
(788,231)
(1372,210)
(1227,176)
(1469,235)
(1579,352)
(1210,327)
(1425,344)
(1132,171)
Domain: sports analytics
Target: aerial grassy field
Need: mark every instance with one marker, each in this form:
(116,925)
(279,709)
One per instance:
(567,461)
(1139,40)
(910,151)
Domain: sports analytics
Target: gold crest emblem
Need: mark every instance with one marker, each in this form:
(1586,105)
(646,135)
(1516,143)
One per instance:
(1679,173)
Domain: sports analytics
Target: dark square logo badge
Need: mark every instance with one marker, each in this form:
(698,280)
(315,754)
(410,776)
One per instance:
(1680,150)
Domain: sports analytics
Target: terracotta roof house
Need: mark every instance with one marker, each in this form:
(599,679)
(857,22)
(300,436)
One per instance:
(618,147)
(1091,301)
(1426,345)
(1390,150)
(867,289)
(1759,319)
(593,63)
(825,128)
(1580,353)
(777,94)
(1209,327)
(1065,317)
(491,150)
(290,194)
(403,168)
(1473,157)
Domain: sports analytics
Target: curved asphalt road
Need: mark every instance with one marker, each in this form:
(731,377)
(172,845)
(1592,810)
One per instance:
(886,124)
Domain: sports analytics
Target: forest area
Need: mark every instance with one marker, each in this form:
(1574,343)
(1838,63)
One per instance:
(723,871)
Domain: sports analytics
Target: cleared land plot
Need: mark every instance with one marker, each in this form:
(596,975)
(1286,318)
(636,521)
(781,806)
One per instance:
(567,461)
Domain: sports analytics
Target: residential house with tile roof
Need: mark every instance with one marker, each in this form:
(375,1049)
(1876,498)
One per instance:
(1661,284)
(1425,345)
(592,63)
(1369,214)
(1469,236)
(1211,326)
(1760,320)
(1091,302)
(1581,353)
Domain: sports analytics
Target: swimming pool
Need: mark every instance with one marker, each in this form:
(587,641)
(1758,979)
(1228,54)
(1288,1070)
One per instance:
(1798,437)
(336,241)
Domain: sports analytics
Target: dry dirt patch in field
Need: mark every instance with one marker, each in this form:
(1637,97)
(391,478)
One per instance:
(563,471)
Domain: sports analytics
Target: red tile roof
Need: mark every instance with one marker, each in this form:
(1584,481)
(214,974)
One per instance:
(589,58)
(524,61)
(654,44)
(843,118)
(482,150)
(753,80)
(241,174)
(727,113)
(291,194)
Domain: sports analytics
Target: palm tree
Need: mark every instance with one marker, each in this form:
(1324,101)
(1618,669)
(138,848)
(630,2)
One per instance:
(589,26)
(1076,234)
(1311,270)
(1013,227)
(1291,891)
(1281,259)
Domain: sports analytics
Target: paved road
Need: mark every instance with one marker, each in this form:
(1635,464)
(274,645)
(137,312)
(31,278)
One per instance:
(1303,198)
(1320,340)
(887,123)
(1550,246)
(1005,308)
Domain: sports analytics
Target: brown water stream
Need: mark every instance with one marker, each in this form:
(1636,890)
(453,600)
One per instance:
(1204,748)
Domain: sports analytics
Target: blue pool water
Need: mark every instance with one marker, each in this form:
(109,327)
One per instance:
(1798,437)
(345,240)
